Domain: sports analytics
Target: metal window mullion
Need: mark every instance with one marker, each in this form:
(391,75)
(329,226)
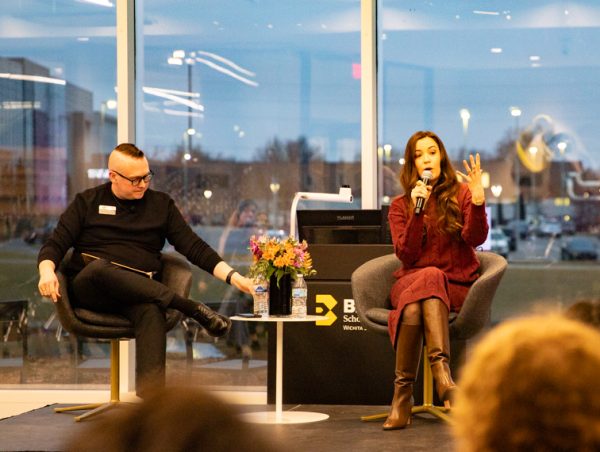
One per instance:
(126,71)
(368,86)
(126,109)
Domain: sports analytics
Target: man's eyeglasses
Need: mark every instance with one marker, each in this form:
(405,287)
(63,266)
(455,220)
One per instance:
(137,180)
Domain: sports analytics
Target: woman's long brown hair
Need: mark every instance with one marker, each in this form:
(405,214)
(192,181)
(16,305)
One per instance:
(445,189)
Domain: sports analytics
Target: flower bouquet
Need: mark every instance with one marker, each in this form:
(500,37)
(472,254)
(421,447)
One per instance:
(273,256)
(280,262)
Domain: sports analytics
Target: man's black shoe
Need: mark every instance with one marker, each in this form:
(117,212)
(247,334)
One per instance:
(215,324)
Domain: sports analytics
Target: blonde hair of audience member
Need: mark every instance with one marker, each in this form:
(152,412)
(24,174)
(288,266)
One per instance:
(174,420)
(531,384)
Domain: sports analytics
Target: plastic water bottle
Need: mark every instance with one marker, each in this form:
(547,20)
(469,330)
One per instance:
(261,296)
(299,295)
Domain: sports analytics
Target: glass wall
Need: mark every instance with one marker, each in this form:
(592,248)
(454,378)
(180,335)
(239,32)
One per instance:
(517,82)
(245,104)
(57,91)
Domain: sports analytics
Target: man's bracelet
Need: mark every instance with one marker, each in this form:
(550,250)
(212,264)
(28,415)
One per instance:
(229,275)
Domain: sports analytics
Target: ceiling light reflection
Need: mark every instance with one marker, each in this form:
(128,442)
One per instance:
(486,13)
(33,78)
(226,61)
(106,3)
(192,114)
(226,71)
(179,93)
(167,94)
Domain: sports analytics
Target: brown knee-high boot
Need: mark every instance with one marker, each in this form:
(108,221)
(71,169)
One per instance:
(435,318)
(408,355)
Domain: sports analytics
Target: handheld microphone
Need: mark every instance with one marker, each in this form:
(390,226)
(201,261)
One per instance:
(425,177)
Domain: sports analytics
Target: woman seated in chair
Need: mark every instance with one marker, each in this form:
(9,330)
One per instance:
(435,227)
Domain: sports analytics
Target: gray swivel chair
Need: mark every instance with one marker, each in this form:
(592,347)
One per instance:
(176,274)
(371,285)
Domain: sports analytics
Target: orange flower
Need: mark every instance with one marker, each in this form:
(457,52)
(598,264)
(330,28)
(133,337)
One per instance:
(279,262)
(307,261)
(274,256)
(270,252)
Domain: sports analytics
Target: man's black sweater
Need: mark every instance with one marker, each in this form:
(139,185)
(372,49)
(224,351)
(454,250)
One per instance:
(131,233)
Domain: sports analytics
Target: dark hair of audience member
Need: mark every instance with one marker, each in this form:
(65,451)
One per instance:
(587,311)
(531,384)
(173,419)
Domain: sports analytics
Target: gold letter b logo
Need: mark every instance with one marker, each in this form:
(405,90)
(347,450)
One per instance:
(329,302)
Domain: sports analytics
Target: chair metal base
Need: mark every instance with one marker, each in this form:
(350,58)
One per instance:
(428,406)
(97,408)
(94,409)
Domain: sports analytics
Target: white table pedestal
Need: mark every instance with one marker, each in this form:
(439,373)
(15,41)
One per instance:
(279,416)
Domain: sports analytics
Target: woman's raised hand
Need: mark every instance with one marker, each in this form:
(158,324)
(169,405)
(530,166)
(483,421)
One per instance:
(473,178)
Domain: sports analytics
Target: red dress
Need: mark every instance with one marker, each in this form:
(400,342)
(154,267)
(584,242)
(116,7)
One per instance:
(434,264)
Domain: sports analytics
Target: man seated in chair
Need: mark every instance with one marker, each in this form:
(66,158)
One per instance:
(118,230)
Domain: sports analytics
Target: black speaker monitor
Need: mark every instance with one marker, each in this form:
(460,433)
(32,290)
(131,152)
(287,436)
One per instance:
(366,226)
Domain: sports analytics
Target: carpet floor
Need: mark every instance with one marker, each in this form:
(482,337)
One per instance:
(44,430)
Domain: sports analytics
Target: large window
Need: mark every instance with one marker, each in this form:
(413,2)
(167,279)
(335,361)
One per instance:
(57,95)
(517,82)
(244,104)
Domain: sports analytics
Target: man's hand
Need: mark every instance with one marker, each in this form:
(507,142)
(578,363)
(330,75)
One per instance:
(222,269)
(48,285)
(242,283)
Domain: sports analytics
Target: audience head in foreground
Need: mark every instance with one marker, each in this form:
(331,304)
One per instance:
(587,311)
(531,384)
(175,420)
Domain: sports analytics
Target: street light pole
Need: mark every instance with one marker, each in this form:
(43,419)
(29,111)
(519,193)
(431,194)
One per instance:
(189,132)
(562,147)
(274,187)
(189,62)
(516,112)
(533,150)
(465,115)
(178,58)
(497,191)
(186,157)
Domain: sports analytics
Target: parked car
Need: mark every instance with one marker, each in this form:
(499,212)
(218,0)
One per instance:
(549,227)
(499,242)
(579,248)
(520,227)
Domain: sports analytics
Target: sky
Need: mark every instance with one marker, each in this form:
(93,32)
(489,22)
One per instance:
(436,58)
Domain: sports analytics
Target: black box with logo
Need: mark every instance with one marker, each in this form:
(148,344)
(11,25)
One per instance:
(336,361)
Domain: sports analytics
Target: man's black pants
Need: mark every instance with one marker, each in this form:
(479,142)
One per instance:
(104,287)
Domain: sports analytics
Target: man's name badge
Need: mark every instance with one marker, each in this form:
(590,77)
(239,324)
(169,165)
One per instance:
(107,210)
